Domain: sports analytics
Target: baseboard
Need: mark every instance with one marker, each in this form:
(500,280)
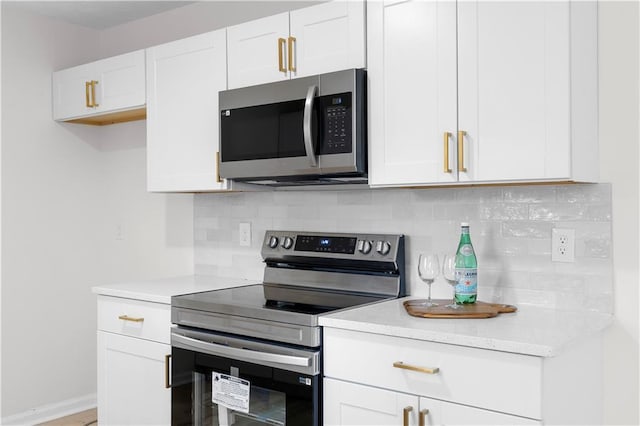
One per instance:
(53,411)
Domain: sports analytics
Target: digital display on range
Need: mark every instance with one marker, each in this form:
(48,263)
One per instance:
(314,243)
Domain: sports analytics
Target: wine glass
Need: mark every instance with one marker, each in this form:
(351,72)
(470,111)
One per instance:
(449,272)
(428,270)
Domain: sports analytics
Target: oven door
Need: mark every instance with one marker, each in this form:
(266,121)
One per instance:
(223,380)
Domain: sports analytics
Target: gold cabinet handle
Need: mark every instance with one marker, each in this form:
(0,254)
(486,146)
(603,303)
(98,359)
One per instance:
(87,95)
(405,415)
(93,94)
(128,318)
(447,169)
(461,166)
(281,43)
(426,370)
(290,42)
(218,179)
(422,418)
(167,364)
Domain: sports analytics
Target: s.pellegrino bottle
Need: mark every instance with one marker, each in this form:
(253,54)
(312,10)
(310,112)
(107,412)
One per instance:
(466,269)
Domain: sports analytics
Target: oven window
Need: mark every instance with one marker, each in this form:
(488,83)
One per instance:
(266,406)
(276,397)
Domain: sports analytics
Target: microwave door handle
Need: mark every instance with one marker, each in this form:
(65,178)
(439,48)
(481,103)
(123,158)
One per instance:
(309,143)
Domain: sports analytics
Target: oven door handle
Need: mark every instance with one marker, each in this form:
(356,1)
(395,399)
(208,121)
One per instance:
(247,354)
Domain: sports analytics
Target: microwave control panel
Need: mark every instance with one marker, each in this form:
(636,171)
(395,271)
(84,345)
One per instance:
(337,124)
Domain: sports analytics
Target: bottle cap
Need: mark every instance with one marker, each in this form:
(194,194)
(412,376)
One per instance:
(466,224)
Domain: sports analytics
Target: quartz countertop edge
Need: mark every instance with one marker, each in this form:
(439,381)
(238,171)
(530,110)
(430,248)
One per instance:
(530,331)
(161,290)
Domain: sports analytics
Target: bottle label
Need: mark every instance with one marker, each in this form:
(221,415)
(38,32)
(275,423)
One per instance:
(466,281)
(466,250)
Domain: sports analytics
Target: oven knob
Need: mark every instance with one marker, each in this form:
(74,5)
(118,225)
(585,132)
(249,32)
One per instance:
(364,246)
(287,242)
(273,242)
(383,247)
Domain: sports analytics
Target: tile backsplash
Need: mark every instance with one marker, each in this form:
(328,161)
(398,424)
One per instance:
(510,230)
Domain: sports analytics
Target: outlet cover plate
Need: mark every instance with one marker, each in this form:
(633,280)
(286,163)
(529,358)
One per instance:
(245,234)
(563,245)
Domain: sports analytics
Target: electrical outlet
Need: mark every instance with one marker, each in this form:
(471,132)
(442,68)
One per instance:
(245,234)
(563,245)
(119,232)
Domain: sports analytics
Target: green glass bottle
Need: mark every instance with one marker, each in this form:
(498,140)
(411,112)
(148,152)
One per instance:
(466,269)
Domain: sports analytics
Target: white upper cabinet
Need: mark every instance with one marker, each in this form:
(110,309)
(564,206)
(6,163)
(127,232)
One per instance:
(256,51)
(522,108)
(183,81)
(514,75)
(314,40)
(102,92)
(412,92)
(328,37)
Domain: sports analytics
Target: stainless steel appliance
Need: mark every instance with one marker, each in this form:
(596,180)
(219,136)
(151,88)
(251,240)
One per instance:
(309,130)
(253,354)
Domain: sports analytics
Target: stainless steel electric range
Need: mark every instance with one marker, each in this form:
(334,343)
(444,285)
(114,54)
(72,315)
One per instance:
(252,354)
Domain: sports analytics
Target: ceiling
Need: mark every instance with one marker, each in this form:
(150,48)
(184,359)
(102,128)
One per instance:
(98,15)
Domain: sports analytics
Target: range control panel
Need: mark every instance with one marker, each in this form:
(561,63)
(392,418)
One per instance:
(384,247)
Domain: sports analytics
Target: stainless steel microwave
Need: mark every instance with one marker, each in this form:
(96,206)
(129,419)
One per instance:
(309,130)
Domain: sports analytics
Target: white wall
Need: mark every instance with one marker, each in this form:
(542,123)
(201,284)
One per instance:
(65,189)
(619,139)
(49,189)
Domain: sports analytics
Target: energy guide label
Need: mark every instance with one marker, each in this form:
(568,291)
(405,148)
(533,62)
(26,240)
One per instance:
(231,392)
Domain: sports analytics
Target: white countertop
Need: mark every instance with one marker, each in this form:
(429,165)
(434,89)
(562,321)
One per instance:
(530,330)
(161,290)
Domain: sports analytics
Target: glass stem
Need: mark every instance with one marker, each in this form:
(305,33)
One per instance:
(429,284)
(453,298)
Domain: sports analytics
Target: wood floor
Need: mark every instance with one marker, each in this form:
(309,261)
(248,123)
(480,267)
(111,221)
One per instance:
(84,418)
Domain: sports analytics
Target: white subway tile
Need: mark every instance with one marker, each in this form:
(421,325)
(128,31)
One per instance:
(530,194)
(510,229)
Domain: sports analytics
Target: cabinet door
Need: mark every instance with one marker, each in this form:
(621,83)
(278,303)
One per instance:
(120,82)
(347,403)
(254,53)
(109,86)
(184,78)
(446,413)
(71,94)
(328,37)
(132,399)
(514,93)
(412,96)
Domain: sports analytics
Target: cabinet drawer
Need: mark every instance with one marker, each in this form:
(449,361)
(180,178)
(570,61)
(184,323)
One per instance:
(500,381)
(146,320)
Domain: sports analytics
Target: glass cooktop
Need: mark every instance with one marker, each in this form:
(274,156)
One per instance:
(275,303)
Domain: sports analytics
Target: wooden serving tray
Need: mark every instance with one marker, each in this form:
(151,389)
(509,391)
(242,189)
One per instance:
(416,308)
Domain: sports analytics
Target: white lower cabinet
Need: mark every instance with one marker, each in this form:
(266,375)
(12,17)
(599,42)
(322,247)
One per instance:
(132,388)
(133,362)
(375,379)
(353,404)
